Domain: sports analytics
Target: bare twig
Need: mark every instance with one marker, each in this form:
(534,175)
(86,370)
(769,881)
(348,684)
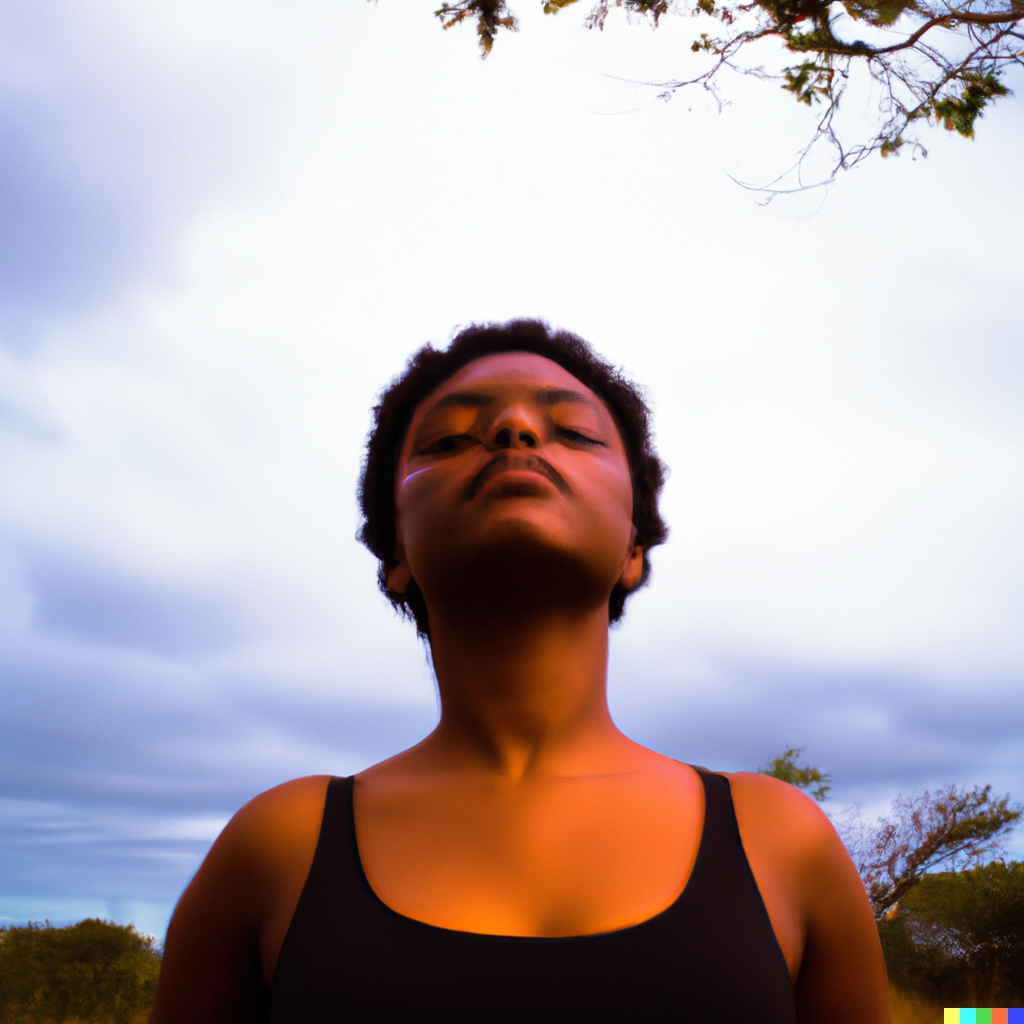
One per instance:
(933,61)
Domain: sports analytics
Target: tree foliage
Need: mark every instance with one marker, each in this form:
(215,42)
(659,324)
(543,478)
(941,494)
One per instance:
(958,937)
(91,971)
(938,61)
(784,767)
(951,828)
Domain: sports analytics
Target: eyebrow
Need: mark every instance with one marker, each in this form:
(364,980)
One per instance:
(555,396)
(545,396)
(471,399)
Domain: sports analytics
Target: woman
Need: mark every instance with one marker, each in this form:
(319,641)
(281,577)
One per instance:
(525,861)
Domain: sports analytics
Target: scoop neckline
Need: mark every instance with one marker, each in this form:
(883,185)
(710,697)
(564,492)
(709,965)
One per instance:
(491,936)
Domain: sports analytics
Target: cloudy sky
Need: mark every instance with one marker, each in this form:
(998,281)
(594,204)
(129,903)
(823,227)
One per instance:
(223,228)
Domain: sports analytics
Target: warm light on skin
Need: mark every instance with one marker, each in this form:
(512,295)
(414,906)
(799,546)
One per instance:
(522,453)
(526,811)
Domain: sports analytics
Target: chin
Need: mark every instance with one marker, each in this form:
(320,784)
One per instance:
(511,531)
(517,562)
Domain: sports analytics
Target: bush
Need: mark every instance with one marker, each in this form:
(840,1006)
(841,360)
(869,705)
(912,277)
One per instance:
(910,1009)
(93,971)
(958,937)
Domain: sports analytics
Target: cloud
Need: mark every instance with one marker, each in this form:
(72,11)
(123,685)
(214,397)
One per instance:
(228,225)
(93,604)
(873,731)
(106,725)
(120,766)
(107,147)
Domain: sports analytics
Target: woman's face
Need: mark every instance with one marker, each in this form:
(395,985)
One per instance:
(514,464)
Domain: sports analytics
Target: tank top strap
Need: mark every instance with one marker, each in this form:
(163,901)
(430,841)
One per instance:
(722,874)
(721,832)
(337,847)
(721,860)
(338,820)
(335,880)
(711,956)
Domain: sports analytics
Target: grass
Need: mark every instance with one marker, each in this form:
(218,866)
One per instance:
(911,1009)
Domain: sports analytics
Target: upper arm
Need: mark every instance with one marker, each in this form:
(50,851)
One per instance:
(842,977)
(816,901)
(227,929)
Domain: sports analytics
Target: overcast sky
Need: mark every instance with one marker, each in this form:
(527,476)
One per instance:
(224,226)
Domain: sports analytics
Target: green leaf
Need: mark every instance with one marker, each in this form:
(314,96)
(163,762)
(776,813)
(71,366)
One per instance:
(809,82)
(960,112)
(785,768)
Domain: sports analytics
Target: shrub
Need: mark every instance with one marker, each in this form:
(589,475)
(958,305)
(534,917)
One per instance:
(93,971)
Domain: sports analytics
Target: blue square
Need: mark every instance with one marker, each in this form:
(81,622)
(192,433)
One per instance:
(1016,1015)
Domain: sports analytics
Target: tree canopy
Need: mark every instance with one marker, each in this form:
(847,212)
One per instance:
(784,767)
(951,936)
(937,61)
(951,828)
(91,971)
(959,937)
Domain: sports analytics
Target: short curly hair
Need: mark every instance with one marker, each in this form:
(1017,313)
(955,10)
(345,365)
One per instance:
(430,367)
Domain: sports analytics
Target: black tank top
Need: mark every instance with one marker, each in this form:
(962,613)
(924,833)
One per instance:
(709,957)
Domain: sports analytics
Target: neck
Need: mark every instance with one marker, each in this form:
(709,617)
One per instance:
(524,697)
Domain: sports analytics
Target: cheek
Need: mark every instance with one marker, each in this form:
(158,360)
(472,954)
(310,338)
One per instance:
(618,492)
(411,476)
(419,507)
(607,511)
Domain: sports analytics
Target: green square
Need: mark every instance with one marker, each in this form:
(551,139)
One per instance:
(983,1016)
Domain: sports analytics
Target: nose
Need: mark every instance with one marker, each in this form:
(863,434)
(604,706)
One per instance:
(524,439)
(513,429)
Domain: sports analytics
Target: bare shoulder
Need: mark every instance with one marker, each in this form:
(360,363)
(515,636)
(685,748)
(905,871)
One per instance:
(263,856)
(794,826)
(268,840)
(755,791)
(273,833)
(271,825)
(797,858)
(816,902)
(227,930)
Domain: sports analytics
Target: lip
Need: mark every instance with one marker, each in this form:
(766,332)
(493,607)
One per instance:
(516,468)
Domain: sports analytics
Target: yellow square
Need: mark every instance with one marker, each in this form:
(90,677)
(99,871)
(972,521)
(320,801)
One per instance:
(951,1015)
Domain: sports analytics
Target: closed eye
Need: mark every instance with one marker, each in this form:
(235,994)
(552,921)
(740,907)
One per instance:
(449,444)
(574,435)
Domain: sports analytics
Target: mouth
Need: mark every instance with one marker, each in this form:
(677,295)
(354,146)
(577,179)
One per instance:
(519,467)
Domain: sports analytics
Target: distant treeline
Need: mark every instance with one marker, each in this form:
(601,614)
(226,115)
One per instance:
(950,914)
(93,972)
(957,938)
(951,937)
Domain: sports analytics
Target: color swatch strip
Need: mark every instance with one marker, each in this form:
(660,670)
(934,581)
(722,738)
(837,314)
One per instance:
(989,1015)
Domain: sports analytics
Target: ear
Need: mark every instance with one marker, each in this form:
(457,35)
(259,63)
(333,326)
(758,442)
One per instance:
(399,576)
(633,569)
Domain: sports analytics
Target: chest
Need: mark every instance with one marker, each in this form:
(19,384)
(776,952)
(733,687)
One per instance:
(710,955)
(570,857)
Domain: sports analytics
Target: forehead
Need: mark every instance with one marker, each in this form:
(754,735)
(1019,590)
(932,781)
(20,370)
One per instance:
(508,374)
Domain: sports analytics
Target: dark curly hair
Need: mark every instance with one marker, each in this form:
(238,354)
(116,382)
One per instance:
(430,367)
